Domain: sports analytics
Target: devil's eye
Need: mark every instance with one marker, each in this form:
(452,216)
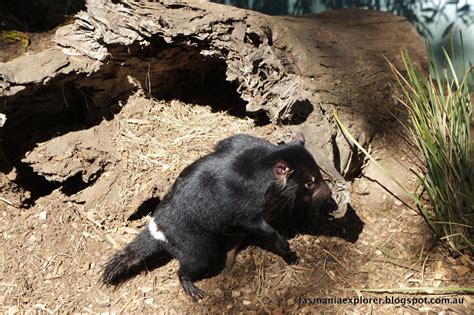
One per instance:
(309,184)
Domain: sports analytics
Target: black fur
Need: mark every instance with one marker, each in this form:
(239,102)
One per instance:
(239,189)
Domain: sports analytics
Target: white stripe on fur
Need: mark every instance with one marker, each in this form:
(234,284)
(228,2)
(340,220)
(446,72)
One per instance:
(157,234)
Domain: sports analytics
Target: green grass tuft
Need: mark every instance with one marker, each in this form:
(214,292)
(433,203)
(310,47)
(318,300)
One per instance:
(440,114)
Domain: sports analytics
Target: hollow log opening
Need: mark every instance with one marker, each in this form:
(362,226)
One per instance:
(183,72)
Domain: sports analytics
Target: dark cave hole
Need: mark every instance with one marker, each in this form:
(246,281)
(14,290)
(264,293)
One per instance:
(29,180)
(37,15)
(75,184)
(39,186)
(181,72)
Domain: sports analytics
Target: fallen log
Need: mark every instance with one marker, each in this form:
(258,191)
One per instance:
(295,70)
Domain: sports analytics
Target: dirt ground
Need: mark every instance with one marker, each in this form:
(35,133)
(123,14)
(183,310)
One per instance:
(52,253)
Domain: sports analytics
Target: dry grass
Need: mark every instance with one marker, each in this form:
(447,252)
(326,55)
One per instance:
(191,132)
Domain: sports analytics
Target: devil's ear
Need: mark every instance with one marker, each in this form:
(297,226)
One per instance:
(282,169)
(299,137)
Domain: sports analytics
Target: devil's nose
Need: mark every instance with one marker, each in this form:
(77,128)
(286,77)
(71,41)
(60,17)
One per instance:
(322,192)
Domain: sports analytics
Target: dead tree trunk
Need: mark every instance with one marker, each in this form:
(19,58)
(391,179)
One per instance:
(296,70)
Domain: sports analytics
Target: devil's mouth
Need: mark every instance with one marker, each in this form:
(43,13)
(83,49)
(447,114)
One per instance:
(330,205)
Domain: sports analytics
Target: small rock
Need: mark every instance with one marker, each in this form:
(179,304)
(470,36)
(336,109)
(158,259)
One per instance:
(398,203)
(218,292)
(229,306)
(149,301)
(42,215)
(12,310)
(290,302)
(235,294)
(246,302)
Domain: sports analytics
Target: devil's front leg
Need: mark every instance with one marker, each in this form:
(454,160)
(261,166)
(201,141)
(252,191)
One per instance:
(269,238)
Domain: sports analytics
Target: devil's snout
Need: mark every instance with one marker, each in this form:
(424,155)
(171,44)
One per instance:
(324,194)
(322,191)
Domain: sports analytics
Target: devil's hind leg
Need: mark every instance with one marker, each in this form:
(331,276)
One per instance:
(201,258)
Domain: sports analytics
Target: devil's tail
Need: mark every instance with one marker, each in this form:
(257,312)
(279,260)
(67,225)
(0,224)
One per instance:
(131,260)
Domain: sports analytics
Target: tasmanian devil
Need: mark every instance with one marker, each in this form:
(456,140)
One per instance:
(237,189)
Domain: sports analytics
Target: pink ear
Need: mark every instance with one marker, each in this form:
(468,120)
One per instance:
(299,137)
(282,169)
